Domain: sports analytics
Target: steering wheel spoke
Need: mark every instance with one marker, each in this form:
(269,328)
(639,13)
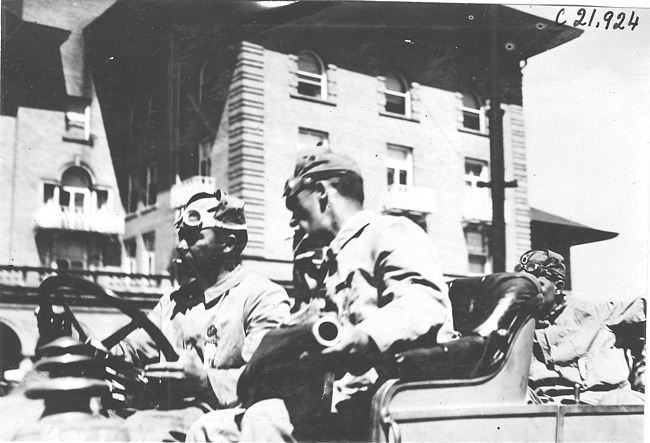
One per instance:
(50,289)
(120,334)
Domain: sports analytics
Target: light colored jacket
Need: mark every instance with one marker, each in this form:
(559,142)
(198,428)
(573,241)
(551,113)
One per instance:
(387,280)
(579,346)
(226,329)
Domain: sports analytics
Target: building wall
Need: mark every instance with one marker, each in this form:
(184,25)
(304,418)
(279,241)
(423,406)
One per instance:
(41,154)
(7,177)
(356,127)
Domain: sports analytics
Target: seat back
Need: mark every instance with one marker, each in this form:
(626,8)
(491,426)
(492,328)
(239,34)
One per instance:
(482,305)
(489,365)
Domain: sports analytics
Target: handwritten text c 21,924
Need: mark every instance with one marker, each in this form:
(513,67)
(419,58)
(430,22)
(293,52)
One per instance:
(595,18)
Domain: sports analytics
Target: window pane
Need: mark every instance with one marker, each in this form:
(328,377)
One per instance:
(308,63)
(102,198)
(476,264)
(64,198)
(77,177)
(475,241)
(471,121)
(311,137)
(48,192)
(395,83)
(391,176)
(79,202)
(402,177)
(308,89)
(471,101)
(474,168)
(395,104)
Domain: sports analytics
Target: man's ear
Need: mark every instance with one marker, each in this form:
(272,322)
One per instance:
(323,198)
(229,244)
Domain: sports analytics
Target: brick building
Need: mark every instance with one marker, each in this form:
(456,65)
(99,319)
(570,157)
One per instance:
(223,94)
(195,95)
(62,208)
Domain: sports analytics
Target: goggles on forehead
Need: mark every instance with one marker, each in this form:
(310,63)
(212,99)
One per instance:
(196,218)
(539,271)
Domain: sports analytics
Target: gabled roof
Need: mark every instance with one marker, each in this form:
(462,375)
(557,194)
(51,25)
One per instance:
(574,232)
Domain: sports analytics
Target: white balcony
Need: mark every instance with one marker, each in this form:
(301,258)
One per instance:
(477,205)
(410,198)
(181,192)
(54,216)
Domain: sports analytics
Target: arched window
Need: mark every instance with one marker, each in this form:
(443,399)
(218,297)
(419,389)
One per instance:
(75,190)
(398,97)
(312,78)
(208,83)
(473,113)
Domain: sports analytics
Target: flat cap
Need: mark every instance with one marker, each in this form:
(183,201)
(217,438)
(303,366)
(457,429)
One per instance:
(317,163)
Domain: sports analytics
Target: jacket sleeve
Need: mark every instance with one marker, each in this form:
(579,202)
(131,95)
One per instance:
(138,347)
(413,296)
(627,320)
(266,308)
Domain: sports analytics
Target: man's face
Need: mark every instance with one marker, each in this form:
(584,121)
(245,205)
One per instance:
(202,248)
(307,214)
(548,292)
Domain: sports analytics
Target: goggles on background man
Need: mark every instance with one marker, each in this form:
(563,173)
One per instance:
(540,271)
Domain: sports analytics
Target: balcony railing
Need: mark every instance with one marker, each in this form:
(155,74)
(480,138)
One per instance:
(181,192)
(410,198)
(31,277)
(53,216)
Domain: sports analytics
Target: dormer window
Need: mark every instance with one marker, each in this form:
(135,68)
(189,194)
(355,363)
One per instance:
(398,97)
(77,120)
(312,77)
(473,113)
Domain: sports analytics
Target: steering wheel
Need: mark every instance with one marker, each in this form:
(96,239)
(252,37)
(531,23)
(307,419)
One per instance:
(50,293)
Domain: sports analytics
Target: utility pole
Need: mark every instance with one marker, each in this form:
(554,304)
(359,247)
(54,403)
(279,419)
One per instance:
(497,169)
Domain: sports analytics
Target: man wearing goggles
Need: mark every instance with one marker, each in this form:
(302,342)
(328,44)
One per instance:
(583,348)
(215,321)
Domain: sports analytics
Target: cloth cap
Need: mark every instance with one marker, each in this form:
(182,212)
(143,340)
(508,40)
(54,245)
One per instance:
(549,261)
(316,163)
(216,210)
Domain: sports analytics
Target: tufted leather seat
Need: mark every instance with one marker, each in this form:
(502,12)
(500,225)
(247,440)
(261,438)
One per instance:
(488,312)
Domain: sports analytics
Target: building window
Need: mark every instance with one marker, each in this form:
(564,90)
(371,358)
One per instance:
(399,166)
(74,195)
(477,204)
(77,120)
(130,250)
(398,97)
(475,171)
(312,77)
(479,260)
(311,137)
(149,240)
(151,188)
(205,163)
(473,113)
(102,198)
(49,192)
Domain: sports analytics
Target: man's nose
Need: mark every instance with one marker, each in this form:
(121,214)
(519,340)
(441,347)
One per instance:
(293,223)
(182,247)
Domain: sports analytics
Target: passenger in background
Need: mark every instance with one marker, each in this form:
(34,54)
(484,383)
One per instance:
(584,349)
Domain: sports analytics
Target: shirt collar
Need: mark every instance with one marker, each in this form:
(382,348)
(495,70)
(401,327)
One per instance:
(225,282)
(351,229)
